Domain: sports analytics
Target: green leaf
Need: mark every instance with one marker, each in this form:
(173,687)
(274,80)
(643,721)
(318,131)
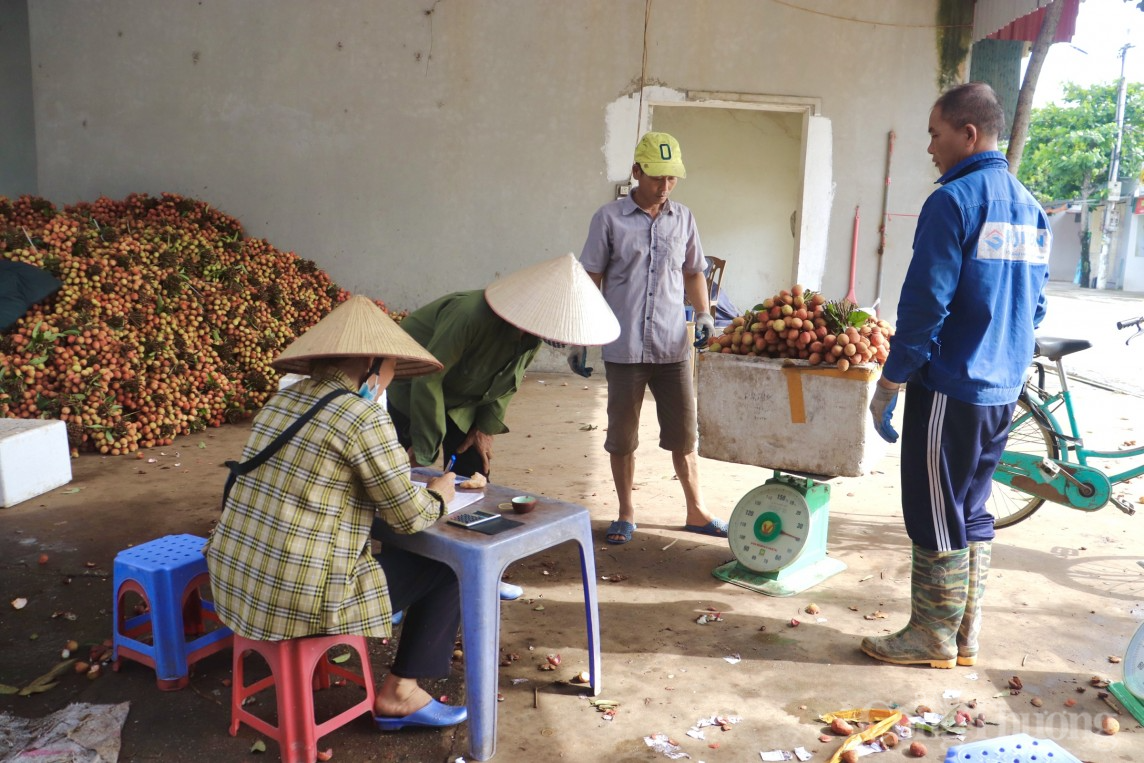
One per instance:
(35,688)
(6,689)
(341,658)
(47,680)
(858,318)
(258,746)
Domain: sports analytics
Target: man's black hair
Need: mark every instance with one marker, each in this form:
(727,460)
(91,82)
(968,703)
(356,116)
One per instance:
(973,103)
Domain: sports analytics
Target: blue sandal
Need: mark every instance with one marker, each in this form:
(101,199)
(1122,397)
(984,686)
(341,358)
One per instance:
(434,715)
(716,528)
(621,528)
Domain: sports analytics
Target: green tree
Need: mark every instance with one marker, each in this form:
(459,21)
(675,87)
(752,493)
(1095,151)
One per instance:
(1070,150)
(1070,143)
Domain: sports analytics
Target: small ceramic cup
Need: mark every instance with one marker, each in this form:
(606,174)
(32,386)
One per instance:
(523,504)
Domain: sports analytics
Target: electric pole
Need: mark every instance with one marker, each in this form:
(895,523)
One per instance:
(1113,176)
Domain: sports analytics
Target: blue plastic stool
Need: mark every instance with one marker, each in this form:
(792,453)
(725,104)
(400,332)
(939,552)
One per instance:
(480,561)
(171,634)
(1016,748)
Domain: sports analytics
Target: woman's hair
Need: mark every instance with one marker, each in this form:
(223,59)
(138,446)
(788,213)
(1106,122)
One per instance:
(973,103)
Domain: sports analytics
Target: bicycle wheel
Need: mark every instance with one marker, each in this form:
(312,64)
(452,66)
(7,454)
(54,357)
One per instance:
(1007,504)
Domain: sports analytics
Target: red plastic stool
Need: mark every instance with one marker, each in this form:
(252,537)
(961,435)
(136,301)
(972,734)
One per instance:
(170,633)
(298,667)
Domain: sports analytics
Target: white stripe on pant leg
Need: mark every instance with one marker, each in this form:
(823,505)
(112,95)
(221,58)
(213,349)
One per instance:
(933,451)
(933,471)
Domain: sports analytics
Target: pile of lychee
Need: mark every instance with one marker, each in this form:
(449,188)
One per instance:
(166,322)
(803,324)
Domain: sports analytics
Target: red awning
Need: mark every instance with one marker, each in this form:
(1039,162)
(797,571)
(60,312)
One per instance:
(1027,27)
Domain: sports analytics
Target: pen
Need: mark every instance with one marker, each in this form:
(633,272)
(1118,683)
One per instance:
(452,460)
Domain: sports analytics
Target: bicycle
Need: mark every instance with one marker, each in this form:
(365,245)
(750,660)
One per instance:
(1044,461)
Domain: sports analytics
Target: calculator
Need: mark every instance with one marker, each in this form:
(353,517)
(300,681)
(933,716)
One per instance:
(469,519)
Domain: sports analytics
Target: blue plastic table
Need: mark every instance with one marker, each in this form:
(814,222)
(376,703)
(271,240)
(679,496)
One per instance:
(480,561)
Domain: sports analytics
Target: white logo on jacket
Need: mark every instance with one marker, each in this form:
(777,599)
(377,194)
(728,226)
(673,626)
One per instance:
(1015,243)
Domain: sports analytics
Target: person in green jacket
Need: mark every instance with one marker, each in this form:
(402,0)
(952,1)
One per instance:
(486,340)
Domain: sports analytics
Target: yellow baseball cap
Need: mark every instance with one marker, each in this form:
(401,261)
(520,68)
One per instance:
(658,154)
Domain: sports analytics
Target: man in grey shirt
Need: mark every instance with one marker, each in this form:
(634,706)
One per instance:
(643,252)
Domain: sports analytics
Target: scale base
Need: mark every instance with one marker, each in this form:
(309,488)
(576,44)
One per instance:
(782,583)
(1132,703)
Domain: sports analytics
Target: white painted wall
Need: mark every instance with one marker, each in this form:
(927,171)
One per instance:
(1133,279)
(416,147)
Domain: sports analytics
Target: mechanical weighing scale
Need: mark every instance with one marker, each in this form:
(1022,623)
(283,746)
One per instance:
(778,532)
(1130,692)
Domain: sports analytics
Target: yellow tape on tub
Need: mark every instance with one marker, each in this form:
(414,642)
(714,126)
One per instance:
(794,374)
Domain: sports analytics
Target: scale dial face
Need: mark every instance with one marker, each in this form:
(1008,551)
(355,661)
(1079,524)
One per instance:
(1134,664)
(769,527)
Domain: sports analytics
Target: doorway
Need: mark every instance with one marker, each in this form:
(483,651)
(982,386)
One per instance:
(759,183)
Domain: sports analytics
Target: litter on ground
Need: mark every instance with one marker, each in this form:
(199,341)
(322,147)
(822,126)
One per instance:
(79,733)
(662,744)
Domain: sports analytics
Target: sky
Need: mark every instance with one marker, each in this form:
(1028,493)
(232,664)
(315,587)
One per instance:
(1102,28)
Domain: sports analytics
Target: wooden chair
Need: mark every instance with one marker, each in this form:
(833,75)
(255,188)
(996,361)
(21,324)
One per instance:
(715,279)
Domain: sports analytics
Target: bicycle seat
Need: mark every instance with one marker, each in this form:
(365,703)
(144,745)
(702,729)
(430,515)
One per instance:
(1055,348)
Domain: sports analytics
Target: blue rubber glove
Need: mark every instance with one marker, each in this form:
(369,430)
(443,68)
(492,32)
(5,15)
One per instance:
(578,360)
(882,408)
(704,328)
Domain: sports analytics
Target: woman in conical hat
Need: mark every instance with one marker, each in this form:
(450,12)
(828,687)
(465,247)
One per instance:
(486,339)
(290,557)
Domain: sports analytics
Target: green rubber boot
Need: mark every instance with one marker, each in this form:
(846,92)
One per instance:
(980,554)
(938,585)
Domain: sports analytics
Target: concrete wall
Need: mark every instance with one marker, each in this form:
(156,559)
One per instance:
(1066,246)
(17,126)
(416,147)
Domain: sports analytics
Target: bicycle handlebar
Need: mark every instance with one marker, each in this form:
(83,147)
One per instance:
(1129,322)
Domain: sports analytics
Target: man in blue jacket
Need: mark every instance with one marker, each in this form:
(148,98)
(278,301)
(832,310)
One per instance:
(973,294)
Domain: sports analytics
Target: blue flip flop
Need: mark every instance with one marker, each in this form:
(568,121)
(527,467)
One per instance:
(434,715)
(509,592)
(621,528)
(716,528)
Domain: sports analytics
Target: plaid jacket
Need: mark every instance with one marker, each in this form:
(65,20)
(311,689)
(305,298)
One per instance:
(290,556)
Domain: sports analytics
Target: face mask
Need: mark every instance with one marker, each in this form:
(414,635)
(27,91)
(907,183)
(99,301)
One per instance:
(367,392)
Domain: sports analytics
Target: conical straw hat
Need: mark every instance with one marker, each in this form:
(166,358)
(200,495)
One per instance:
(555,300)
(357,328)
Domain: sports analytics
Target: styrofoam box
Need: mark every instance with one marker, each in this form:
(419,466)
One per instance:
(34,458)
(788,414)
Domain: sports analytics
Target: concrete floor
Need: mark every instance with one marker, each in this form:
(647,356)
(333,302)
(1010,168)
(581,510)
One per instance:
(1064,596)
